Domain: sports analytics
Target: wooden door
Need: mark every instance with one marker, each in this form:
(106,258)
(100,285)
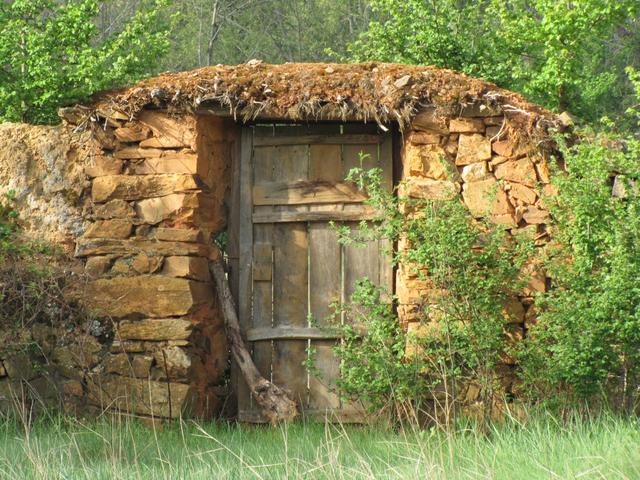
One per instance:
(291,266)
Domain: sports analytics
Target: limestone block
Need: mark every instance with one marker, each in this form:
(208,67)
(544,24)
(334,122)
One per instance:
(179,235)
(127,187)
(73,388)
(130,153)
(196,268)
(170,131)
(534,215)
(503,148)
(475,171)
(105,137)
(127,346)
(19,367)
(121,266)
(466,125)
(514,311)
(139,396)
(114,209)
(154,329)
(417,331)
(133,132)
(424,138)
(522,193)
(196,208)
(133,246)
(427,161)
(144,263)
(485,197)
(103,165)
(473,148)
(542,169)
(118,364)
(536,278)
(519,171)
(174,362)
(428,120)
(141,365)
(428,189)
(97,266)
(509,148)
(121,364)
(176,163)
(116,228)
(147,296)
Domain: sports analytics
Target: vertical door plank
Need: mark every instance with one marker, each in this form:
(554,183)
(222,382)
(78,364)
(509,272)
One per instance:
(245,252)
(385,161)
(290,278)
(325,281)
(290,305)
(262,294)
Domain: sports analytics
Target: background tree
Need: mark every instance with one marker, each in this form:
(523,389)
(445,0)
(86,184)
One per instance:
(54,54)
(563,54)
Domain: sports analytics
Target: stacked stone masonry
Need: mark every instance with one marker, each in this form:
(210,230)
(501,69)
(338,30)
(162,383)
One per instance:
(141,200)
(477,157)
(158,185)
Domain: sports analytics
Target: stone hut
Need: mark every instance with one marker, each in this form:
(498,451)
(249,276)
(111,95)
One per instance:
(147,184)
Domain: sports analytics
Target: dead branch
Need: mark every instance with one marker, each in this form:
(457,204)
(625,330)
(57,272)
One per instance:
(274,402)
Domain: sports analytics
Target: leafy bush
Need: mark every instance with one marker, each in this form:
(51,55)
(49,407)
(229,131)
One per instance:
(586,344)
(473,268)
(53,54)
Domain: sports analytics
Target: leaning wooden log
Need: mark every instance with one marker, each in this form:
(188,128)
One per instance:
(274,402)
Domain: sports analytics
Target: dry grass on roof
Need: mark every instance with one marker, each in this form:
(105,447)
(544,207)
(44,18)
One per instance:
(379,92)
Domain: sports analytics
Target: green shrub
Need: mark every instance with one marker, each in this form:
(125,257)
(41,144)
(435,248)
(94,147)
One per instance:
(586,344)
(473,269)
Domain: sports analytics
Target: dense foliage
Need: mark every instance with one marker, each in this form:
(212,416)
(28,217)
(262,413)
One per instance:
(566,55)
(472,269)
(587,340)
(54,54)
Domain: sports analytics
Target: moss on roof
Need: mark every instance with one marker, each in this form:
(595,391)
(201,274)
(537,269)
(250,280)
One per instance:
(384,93)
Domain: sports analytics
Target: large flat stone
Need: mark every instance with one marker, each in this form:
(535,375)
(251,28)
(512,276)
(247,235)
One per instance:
(186,163)
(169,130)
(427,161)
(154,329)
(428,189)
(428,120)
(146,296)
(196,268)
(132,187)
(116,228)
(140,396)
(519,171)
(473,147)
(485,197)
(466,125)
(86,247)
(195,208)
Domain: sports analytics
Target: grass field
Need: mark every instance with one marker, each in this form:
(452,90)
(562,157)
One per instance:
(607,448)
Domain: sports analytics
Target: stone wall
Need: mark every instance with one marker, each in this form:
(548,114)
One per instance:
(43,167)
(478,157)
(141,201)
(137,203)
